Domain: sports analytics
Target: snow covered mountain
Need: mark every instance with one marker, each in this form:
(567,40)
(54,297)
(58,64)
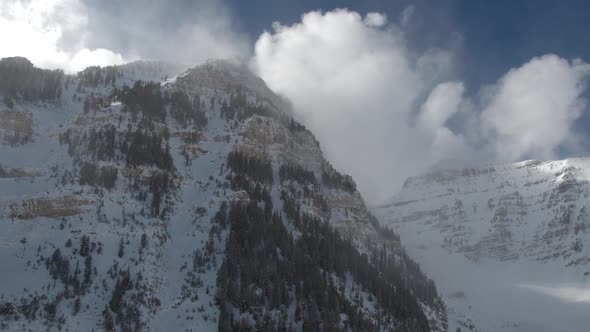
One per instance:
(507,244)
(133,198)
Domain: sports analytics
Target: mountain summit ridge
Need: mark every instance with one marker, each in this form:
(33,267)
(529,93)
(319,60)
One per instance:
(190,202)
(524,223)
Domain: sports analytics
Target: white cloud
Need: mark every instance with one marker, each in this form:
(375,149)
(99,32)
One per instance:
(567,293)
(72,35)
(187,32)
(375,19)
(441,104)
(406,15)
(97,57)
(356,86)
(381,111)
(531,110)
(34,28)
(198,41)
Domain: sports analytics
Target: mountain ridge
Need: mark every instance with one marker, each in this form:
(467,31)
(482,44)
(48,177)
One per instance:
(523,223)
(132,204)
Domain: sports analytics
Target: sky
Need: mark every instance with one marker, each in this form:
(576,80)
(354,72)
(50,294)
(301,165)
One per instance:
(389,88)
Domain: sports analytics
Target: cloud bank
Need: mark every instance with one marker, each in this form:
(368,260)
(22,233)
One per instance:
(567,293)
(381,111)
(75,34)
(187,32)
(532,109)
(356,85)
(34,29)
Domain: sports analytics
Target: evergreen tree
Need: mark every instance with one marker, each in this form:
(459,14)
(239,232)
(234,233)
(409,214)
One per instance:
(121,251)
(107,320)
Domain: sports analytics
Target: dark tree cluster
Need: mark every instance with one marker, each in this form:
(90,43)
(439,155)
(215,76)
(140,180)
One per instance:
(21,79)
(28,308)
(384,231)
(157,190)
(191,137)
(304,187)
(95,75)
(160,185)
(295,126)
(129,294)
(58,266)
(298,174)
(291,205)
(334,179)
(145,98)
(94,103)
(240,109)
(122,285)
(76,281)
(64,268)
(99,145)
(142,146)
(237,101)
(148,148)
(399,265)
(256,168)
(93,175)
(187,111)
(266,270)
(205,260)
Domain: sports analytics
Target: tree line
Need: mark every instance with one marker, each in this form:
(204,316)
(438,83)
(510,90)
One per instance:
(267,270)
(22,80)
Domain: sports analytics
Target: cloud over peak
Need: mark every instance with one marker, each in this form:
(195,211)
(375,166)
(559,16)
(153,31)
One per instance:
(375,19)
(42,26)
(382,110)
(531,110)
(74,34)
(356,85)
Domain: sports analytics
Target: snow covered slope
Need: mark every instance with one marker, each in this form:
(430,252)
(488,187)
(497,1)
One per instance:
(193,203)
(507,244)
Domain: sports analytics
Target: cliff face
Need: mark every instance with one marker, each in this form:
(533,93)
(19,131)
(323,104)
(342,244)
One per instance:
(530,210)
(519,224)
(192,202)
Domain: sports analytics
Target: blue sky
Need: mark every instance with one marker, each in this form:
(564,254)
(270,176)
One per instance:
(389,88)
(497,35)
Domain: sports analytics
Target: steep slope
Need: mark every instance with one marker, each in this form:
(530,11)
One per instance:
(514,238)
(195,203)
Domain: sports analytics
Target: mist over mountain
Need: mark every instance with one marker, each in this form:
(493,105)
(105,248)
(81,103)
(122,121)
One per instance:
(359,79)
(315,166)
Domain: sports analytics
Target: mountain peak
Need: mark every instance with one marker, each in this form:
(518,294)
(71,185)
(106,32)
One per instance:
(516,217)
(449,164)
(17,60)
(227,64)
(229,75)
(225,73)
(192,190)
